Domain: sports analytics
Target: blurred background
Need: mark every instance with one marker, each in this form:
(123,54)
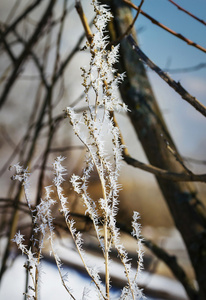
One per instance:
(40,76)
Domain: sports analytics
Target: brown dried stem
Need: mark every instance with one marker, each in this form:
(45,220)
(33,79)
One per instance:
(84,21)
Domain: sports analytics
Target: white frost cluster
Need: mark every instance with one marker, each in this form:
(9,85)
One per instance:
(43,228)
(94,127)
(101,77)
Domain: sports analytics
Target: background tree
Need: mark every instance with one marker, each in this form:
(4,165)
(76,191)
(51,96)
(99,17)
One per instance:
(187,210)
(31,40)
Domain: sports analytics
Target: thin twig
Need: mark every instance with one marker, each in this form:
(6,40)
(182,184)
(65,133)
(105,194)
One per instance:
(8,48)
(22,16)
(130,26)
(26,51)
(188,13)
(163,173)
(171,82)
(35,59)
(155,170)
(13,11)
(187,69)
(177,156)
(178,35)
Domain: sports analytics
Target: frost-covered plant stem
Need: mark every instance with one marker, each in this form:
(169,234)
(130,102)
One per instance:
(96,129)
(59,171)
(106,247)
(91,127)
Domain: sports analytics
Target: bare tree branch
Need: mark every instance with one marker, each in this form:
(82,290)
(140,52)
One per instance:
(22,16)
(164,173)
(187,12)
(155,170)
(188,69)
(172,83)
(24,54)
(131,25)
(178,35)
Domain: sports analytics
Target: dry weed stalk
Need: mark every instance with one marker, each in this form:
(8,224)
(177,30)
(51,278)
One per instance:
(98,133)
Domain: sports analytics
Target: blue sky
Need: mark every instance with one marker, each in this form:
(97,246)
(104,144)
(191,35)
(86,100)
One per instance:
(160,45)
(188,127)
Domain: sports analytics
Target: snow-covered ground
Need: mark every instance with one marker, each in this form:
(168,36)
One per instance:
(12,286)
(13,282)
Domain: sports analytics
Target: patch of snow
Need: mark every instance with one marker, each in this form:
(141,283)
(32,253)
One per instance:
(13,283)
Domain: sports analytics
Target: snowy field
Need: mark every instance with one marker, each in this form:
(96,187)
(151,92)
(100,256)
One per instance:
(12,285)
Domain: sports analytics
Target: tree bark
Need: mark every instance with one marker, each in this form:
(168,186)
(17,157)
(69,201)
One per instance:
(188,212)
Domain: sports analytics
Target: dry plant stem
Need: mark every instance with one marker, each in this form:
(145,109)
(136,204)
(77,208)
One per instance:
(178,35)
(89,36)
(84,21)
(126,270)
(82,258)
(172,83)
(187,12)
(169,260)
(37,277)
(105,229)
(59,270)
(106,256)
(106,246)
(106,240)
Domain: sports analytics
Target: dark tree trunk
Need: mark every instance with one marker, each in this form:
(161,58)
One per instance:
(187,211)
